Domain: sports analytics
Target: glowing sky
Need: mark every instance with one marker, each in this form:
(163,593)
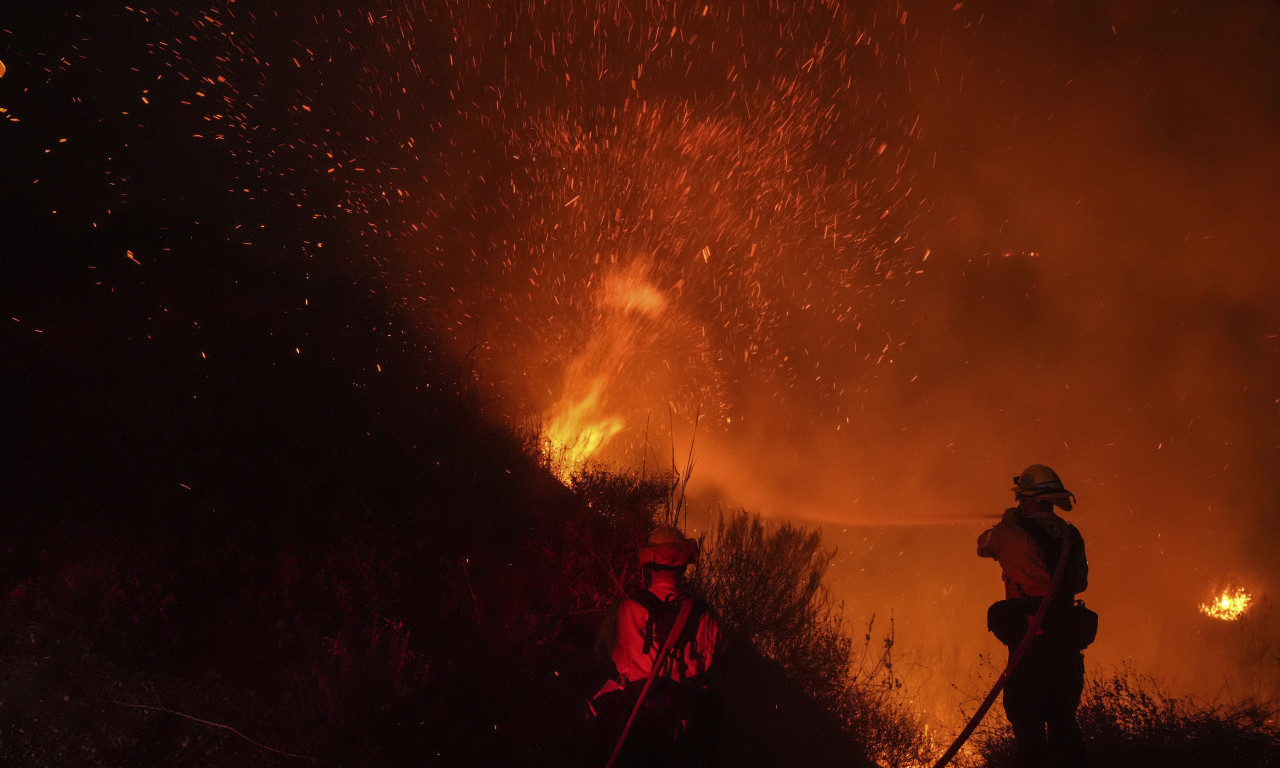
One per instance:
(891,253)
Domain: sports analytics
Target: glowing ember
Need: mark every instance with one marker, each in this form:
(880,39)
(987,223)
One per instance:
(1230,605)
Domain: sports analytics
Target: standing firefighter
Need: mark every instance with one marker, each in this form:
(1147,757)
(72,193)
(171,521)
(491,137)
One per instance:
(656,710)
(1043,688)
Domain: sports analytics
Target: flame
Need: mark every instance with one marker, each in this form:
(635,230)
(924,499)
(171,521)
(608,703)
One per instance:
(1230,605)
(578,431)
(629,326)
(631,292)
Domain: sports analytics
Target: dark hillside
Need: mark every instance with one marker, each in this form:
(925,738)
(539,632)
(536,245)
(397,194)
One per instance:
(194,509)
(337,561)
(242,491)
(252,515)
(249,509)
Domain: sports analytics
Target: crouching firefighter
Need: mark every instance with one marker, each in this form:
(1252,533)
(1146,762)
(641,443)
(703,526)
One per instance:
(662,641)
(1043,689)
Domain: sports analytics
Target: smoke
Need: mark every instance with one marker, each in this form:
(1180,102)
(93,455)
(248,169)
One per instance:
(901,254)
(1100,298)
(888,256)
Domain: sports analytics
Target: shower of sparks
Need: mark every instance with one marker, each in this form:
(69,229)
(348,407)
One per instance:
(1229,605)
(501,165)
(747,164)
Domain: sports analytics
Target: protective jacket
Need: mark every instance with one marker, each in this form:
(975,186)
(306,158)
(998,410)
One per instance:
(1042,694)
(1026,567)
(639,640)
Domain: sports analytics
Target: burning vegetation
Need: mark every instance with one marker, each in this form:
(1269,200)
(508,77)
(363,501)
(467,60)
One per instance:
(1228,605)
(282,226)
(612,371)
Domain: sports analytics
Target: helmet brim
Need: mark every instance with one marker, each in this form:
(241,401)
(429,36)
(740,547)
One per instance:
(671,554)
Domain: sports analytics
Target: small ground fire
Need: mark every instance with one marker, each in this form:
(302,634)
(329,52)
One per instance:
(1228,605)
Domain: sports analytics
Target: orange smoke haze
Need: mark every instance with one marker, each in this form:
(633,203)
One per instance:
(1101,299)
(1023,233)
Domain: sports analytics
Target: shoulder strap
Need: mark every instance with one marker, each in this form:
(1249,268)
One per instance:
(1051,546)
(651,602)
(665,657)
(664,623)
(661,615)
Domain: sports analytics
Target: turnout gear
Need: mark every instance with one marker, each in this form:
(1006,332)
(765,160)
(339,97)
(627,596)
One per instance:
(662,642)
(662,622)
(640,631)
(1044,683)
(1027,546)
(1040,701)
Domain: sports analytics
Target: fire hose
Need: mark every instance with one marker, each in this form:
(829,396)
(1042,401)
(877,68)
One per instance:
(681,619)
(1033,629)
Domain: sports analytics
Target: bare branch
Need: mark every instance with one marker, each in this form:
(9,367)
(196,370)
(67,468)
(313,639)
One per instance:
(223,726)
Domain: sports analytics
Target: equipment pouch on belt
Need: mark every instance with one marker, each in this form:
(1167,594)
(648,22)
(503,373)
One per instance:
(1082,626)
(1008,619)
(1074,624)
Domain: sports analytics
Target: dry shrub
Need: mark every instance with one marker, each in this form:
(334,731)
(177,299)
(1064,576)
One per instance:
(1129,722)
(766,584)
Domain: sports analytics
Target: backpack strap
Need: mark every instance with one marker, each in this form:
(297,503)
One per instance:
(663,620)
(1050,545)
(651,602)
(685,609)
(657,609)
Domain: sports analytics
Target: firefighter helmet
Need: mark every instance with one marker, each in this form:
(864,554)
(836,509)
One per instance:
(668,547)
(1041,482)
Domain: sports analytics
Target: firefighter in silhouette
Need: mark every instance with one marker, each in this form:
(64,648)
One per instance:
(1043,691)
(672,718)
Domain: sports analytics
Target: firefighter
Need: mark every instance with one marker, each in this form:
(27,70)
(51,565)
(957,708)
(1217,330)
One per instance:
(1043,691)
(675,715)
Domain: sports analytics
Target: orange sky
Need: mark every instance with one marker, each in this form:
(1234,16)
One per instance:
(900,254)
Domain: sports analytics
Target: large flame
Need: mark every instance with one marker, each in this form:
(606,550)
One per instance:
(1228,605)
(578,431)
(629,310)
